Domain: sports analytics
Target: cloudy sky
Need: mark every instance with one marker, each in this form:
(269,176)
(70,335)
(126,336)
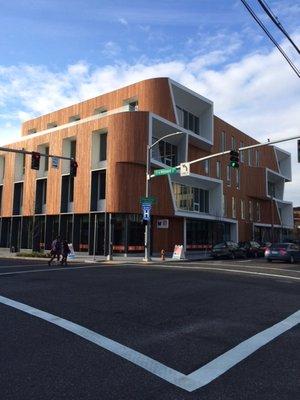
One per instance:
(58,52)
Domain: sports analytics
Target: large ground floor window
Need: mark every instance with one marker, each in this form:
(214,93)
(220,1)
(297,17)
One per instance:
(203,234)
(86,232)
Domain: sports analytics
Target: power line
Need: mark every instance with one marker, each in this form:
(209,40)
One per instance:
(293,66)
(276,21)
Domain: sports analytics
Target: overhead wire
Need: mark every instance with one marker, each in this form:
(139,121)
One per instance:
(276,21)
(292,65)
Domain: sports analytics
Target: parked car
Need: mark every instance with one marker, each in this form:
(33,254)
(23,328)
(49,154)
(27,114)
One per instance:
(288,252)
(253,249)
(228,250)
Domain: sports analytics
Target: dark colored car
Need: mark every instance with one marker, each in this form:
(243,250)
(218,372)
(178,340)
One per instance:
(288,252)
(228,250)
(253,249)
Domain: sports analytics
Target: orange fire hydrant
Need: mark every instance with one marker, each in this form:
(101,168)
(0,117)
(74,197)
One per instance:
(162,255)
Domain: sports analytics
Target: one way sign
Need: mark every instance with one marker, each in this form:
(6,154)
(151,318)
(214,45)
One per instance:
(184,169)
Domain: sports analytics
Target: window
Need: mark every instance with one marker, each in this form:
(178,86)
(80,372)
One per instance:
(46,158)
(258,211)
(100,110)
(271,189)
(188,120)
(257,158)
(218,169)
(241,152)
(132,103)
(23,162)
(223,142)
(233,143)
(40,196)
(1,192)
(167,153)
(51,125)
(206,166)
(98,188)
(103,147)
(249,157)
(224,206)
(250,211)
(191,199)
(73,149)
(237,177)
(242,209)
(74,118)
(31,131)
(233,207)
(228,175)
(18,198)
(67,193)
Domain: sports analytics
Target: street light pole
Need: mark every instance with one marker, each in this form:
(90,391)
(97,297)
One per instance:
(147,256)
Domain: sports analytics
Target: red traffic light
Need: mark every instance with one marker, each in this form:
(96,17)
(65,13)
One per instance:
(35,160)
(73,168)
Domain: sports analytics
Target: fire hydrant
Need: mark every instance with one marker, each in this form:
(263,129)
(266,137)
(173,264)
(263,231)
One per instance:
(162,255)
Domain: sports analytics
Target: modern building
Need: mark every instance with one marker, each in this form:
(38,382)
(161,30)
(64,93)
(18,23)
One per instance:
(108,135)
(296,211)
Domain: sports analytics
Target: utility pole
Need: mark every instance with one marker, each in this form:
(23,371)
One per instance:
(147,256)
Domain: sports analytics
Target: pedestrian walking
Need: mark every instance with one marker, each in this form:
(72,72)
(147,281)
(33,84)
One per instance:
(65,252)
(56,248)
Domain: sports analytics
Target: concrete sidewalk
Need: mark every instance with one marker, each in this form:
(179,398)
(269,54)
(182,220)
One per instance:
(116,259)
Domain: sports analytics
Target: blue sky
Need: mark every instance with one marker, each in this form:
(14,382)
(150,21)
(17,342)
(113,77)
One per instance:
(55,53)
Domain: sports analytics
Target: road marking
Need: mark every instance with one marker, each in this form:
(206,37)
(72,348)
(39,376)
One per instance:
(191,382)
(49,269)
(201,268)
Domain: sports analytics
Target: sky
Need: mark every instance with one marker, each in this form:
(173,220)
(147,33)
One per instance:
(54,53)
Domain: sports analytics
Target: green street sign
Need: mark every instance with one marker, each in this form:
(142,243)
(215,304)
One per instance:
(148,200)
(165,171)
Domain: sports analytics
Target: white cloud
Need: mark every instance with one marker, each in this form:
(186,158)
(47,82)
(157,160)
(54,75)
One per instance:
(259,94)
(123,21)
(111,49)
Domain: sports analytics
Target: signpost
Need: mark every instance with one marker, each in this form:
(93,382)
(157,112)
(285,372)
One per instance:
(55,162)
(165,171)
(184,169)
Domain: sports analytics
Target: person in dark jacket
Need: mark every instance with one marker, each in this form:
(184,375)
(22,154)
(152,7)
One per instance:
(65,252)
(55,250)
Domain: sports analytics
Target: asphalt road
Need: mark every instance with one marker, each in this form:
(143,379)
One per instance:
(173,319)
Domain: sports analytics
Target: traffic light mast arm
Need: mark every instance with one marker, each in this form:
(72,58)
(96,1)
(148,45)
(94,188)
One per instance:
(241,149)
(31,152)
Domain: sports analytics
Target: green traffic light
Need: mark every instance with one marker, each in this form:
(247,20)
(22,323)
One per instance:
(234,164)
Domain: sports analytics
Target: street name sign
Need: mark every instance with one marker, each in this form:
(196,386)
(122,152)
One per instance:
(165,171)
(148,200)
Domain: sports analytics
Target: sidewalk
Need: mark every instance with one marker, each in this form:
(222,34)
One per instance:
(116,259)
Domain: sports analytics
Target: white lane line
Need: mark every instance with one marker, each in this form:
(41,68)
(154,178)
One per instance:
(22,265)
(49,269)
(227,270)
(258,267)
(191,382)
(135,357)
(217,367)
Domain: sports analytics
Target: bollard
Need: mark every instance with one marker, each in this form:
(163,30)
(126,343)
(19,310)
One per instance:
(162,255)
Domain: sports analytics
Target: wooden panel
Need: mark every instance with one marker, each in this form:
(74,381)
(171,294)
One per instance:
(167,238)
(152,94)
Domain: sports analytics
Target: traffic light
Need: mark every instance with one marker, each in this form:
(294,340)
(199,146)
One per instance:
(298,150)
(234,159)
(35,160)
(73,168)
